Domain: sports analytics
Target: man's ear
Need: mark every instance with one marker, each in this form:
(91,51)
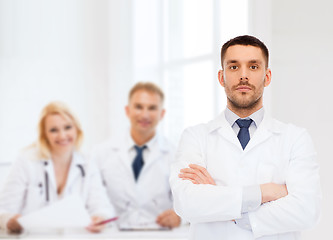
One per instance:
(127,110)
(162,114)
(221,79)
(268,77)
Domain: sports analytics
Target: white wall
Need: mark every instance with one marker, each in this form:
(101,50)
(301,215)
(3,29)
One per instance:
(302,49)
(51,50)
(75,51)
(120,64)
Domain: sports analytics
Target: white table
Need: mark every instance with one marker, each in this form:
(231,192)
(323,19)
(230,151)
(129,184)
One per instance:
(113,233)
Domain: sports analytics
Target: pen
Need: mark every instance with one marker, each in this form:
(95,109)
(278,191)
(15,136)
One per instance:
(106,221)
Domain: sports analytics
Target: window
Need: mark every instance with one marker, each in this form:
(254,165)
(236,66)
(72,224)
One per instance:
(177,45)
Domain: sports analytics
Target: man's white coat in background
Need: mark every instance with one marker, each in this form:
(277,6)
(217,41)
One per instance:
(137,203)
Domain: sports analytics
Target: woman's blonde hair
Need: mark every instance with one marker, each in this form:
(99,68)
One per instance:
(52,108)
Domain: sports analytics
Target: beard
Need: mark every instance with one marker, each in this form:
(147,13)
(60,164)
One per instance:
(244,100)
(244,103)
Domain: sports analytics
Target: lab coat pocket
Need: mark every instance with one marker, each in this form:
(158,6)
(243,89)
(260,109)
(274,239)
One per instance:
(273,169)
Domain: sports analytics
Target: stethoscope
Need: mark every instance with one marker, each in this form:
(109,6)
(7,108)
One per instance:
(46,179)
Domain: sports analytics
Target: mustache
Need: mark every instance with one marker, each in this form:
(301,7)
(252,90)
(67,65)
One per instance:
(244,83)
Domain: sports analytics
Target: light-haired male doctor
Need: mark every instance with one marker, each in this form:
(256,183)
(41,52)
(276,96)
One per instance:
(135,166)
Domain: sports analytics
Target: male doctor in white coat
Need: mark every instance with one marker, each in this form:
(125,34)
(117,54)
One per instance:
(135,167)
(245,175)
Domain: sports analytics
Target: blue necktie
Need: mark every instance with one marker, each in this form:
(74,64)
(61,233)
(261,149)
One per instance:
(243,134)
(138,161)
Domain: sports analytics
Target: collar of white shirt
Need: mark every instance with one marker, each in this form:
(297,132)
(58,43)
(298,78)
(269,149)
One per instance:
(257,117)
(151,144)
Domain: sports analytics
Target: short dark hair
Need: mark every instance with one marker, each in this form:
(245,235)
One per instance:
(245,40)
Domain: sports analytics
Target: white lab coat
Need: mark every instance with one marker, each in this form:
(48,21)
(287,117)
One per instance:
(25,189)
(137,203)
(277,152)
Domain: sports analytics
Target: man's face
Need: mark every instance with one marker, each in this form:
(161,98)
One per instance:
(244,76)
(144,110)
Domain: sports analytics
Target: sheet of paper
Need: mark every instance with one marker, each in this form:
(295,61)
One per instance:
(68,212)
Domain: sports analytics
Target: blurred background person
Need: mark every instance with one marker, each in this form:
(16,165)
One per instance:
(135,165)
(52,169)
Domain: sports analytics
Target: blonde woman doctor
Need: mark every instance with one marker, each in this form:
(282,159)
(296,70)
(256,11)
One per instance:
(52,169)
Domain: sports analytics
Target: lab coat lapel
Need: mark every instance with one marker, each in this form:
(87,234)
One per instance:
(121,149)
(74,171)
(155,154)
(127,163)
(224,129)
(153,157)
(264,132)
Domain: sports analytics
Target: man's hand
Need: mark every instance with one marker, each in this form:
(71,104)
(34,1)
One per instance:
(96,228)
(13,225)
(168,219)
(272,191)
(196,174)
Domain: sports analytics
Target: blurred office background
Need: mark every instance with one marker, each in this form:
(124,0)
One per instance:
(89,53)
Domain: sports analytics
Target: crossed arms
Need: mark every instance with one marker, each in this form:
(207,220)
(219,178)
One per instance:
(288,207)
(199,175)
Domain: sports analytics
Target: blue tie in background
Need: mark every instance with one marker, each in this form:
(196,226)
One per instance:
(138,161)
(243,134)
